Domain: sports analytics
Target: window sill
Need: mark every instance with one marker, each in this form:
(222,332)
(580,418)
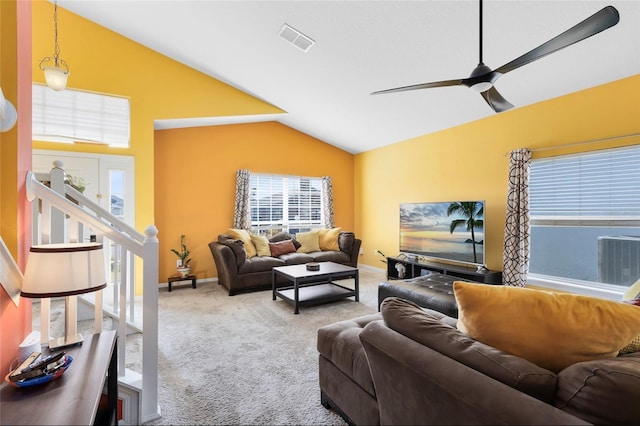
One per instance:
(605,291)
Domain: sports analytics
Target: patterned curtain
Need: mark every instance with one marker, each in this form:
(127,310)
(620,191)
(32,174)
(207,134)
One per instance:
(241,214)
(516,234)
(327,201)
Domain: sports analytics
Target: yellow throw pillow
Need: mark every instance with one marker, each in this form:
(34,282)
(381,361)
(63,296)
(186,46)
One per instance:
(552,330)
(242,235)
(261,244)
(309,241)
(329,239)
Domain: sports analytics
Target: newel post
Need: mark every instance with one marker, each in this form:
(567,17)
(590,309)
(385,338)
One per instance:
(150,409)
(57,231)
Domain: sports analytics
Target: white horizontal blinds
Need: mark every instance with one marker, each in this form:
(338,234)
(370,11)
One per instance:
(74,115)
(305,202)
(595,185)
(289,203)
(266,201)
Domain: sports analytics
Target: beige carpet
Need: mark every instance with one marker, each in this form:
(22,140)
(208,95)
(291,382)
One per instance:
(244,359)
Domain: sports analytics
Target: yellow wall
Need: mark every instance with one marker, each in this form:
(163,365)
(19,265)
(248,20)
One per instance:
(103,61)
(15,160)
(469,163)
(195,180)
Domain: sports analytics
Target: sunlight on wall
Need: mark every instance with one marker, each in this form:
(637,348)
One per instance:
(470,162)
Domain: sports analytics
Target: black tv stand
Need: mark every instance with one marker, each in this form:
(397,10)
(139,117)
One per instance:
(414,267)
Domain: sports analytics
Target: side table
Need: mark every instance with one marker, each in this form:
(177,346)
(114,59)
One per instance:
(177,278)
(74,398)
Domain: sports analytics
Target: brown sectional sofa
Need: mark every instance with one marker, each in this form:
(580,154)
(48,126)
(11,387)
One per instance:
(238,273)
(410,365)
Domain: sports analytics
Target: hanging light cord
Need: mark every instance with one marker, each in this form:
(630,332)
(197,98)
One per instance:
(56,52)
(480,38)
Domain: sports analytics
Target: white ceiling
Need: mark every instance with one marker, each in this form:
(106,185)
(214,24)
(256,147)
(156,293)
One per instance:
(364,46)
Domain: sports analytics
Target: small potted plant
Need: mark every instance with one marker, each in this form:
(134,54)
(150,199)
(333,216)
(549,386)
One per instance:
(183,254)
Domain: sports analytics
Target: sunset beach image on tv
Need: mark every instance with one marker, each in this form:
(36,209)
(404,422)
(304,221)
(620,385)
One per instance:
(443,230)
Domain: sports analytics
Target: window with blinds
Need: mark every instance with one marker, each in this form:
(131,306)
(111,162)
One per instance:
(78,116)
(285,203)
(585,218)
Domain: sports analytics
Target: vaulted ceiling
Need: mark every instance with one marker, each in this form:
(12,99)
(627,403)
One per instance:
(363,46)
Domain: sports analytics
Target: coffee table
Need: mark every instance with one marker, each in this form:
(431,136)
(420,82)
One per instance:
(313,287)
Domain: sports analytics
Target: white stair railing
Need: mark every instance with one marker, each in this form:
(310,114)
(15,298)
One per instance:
(119,259)
(56,219)
(10,274)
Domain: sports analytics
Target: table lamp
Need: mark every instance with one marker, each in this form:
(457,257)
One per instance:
(64,270)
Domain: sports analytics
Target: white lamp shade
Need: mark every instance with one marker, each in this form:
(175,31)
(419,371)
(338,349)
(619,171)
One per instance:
(8,114)
(56,77)
(56,270)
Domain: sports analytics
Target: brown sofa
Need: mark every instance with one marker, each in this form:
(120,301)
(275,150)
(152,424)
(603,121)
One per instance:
(238,273)
(410,365)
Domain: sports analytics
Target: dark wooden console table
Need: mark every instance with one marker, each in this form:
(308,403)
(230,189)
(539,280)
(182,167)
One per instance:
(75,397)
(414,268)
(178,278)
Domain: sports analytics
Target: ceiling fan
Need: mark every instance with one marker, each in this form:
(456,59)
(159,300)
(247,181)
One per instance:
(482,77)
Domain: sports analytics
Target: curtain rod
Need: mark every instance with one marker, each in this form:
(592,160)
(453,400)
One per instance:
(582,143)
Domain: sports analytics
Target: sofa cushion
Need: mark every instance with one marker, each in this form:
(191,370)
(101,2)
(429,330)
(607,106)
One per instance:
(296,258)
(434,330)
(328,239)
(236,245)
(260,264)
(261,243)
(243,235)
(330,256)
(310,241)
(553,330)
(282,247)
(346,240)
(604,391)
(340,343)
(281,236)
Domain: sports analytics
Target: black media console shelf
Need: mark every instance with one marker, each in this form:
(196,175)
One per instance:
(414,267)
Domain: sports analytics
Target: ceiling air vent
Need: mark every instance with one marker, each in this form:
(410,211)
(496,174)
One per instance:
(296,38)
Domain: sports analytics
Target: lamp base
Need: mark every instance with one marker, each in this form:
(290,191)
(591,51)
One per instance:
(61,342)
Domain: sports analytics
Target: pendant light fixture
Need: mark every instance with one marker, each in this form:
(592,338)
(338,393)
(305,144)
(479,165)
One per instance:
(56,70)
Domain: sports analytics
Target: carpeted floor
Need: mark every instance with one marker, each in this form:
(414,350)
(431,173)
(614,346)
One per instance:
(244,359)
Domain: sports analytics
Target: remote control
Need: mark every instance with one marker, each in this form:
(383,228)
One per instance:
(19,373)
(42,362)
(50,368)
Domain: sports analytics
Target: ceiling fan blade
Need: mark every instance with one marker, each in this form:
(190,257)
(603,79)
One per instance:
(495,100)
(421,86)
(599,21)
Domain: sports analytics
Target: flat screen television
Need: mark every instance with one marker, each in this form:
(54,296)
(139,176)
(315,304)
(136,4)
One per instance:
(451,231)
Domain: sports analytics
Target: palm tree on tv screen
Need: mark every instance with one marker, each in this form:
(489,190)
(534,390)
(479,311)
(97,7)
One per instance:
(472,213)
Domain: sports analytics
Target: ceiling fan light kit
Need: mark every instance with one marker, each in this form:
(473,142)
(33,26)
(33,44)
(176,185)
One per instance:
(477,74)
(482,78)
